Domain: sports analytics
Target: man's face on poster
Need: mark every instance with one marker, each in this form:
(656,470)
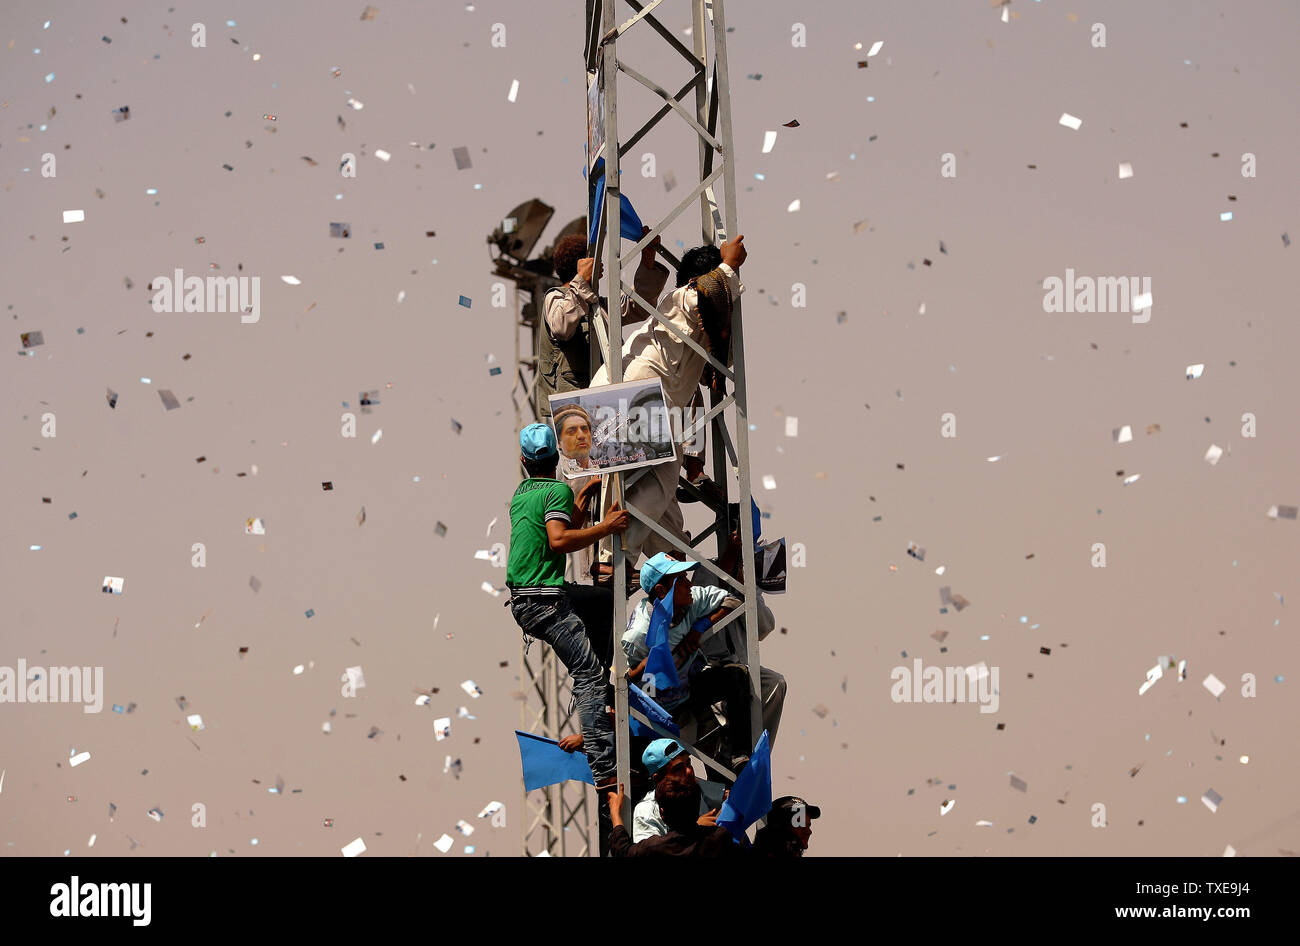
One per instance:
(575,437)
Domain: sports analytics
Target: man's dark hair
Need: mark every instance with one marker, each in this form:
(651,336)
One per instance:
(698,261)
(678,795)
(542,468)
(567,253)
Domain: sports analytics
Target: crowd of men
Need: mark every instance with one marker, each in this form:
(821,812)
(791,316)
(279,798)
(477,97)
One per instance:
(568,605)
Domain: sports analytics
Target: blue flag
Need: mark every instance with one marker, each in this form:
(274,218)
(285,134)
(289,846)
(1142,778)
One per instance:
(660,661)
(629,224)
(652,711)
(751,796)
(545,763)
(758,520)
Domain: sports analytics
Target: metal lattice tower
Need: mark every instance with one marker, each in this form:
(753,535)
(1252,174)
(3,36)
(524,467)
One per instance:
(549,812)
(710,120)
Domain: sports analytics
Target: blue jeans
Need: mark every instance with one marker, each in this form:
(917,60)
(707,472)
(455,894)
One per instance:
(552,620)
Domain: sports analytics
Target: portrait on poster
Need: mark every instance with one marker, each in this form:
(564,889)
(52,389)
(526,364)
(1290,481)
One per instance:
(612,428)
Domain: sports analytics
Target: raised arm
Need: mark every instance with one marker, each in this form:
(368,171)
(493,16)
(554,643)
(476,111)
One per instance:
(649,281)
(566,310)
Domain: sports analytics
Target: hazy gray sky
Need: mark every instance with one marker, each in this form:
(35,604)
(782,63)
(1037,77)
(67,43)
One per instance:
(1195,570)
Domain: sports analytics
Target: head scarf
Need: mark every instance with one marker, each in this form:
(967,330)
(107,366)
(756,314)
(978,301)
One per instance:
(715,306)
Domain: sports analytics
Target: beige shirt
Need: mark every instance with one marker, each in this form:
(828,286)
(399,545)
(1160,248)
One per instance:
(566,310)
(652,351)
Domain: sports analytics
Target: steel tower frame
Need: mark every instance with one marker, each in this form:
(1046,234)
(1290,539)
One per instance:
(566,806)
(711,123)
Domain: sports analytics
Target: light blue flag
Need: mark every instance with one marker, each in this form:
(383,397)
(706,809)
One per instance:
(751,796)
(660,661)
(545,763)
(652,711)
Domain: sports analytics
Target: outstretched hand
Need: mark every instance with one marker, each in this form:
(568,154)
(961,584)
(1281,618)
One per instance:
(733,252)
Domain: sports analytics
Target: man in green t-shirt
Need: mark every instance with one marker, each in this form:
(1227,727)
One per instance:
(544,526)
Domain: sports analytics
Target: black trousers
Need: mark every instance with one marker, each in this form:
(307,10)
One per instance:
(595,606)
(730,684)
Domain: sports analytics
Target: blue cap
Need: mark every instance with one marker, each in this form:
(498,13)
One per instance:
(655,570)
(659,753)
(537,441)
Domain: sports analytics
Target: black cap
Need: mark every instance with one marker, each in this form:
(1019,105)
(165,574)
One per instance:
(783,809)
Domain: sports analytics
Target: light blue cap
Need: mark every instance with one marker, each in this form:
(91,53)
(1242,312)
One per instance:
(655,570)
(537,441)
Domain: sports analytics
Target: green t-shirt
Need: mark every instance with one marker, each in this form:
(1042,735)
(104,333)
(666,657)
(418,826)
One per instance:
(533,564)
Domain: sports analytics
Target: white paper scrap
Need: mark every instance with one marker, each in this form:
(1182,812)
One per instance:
(769,139)
(353,848)
(1214,685)
(1154,674)
(1069,121)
